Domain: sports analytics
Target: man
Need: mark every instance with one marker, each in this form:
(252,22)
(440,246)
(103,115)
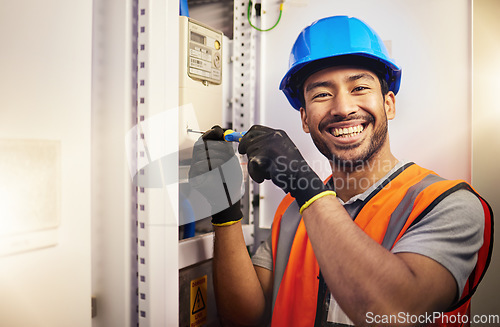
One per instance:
(383,242)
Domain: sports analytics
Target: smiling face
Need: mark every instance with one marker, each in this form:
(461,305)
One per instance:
(346,114)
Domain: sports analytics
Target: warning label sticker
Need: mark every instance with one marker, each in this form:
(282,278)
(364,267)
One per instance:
(198,301)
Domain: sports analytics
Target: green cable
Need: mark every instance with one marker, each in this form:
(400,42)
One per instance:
(258,29)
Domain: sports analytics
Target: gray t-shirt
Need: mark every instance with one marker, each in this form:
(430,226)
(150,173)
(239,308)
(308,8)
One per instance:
(451,234)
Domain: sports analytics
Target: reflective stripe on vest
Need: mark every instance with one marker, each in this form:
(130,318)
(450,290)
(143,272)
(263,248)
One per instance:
(401,201)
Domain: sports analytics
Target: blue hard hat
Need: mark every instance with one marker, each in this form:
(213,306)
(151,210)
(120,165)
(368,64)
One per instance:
(328,42)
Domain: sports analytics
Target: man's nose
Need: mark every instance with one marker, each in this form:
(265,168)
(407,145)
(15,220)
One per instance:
(343,105)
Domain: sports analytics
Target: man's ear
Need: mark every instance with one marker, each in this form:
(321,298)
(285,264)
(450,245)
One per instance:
(390,105)
(303,117)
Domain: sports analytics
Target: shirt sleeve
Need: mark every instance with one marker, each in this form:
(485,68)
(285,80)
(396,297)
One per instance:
(263,257)
(451,234)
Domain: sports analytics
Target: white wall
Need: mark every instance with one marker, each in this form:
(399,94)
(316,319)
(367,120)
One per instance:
(430,41)
(486,142)
(45,66)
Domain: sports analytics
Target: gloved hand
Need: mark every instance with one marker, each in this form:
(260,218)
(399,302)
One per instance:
(272,155)
(215,172)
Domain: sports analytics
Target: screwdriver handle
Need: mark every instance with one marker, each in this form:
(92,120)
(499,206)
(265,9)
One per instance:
(232,136)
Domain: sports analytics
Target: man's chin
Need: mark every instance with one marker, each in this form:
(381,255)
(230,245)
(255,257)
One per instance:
(353,154)
(348,164)
(351,160)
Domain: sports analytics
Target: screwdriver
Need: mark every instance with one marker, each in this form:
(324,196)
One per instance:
(229,135)
(232,136)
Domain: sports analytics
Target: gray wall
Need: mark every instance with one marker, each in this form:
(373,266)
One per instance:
(486,141)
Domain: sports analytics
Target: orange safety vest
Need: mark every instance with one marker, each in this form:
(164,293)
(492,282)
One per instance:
(401,201)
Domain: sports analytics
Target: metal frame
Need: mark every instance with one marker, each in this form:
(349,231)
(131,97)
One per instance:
(243,98)
(157,93)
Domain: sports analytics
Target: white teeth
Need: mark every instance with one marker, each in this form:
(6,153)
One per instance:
(347,131)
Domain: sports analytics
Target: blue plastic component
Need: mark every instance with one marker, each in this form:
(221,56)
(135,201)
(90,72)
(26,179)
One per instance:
(183,8)
(336,36)
(187,211)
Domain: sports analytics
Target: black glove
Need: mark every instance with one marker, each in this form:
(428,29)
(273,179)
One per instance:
(216,173)
(272,155)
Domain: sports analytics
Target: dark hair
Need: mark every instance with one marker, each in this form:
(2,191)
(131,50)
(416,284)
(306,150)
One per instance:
(373,65)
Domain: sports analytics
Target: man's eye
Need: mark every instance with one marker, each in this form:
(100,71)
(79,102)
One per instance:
(359,88)
(320,95)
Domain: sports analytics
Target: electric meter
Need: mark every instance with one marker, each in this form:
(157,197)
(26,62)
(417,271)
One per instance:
(200,81)
(204,53)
